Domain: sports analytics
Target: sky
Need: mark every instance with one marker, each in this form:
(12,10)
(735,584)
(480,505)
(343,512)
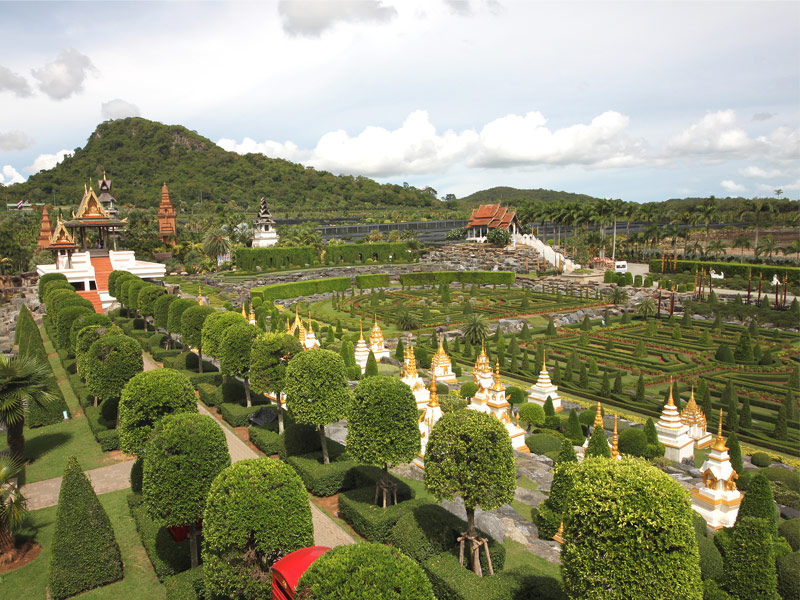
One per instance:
(642,101)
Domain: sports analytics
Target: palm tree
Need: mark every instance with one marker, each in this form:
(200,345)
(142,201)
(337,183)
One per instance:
(618,209)
(767,246)
(716,247)
(12,506)
(618,296)
(215,243)
(708,213)
(476,329)
(24,380)
(756,207)
(741,242)
(793,248)
(647,308)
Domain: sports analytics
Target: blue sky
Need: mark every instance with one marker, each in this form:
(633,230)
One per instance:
(641,100)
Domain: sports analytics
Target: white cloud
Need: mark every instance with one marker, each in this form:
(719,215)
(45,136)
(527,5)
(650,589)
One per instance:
(311,17)
(43,162)
(518,140)
(10,176)
(118,109)
(287,150)
(11,82)
(763,116)
(14,140)
(732,187)
(782,143)
(65,75)
(759,173)
(714,134)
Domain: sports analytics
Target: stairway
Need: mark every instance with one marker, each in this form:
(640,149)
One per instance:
(102,269)
(94,297)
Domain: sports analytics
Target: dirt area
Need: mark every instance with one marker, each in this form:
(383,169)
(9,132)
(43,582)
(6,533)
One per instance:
(115,456)
(242,434)
(26,554)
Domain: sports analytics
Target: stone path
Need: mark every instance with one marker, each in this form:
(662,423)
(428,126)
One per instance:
(112,478)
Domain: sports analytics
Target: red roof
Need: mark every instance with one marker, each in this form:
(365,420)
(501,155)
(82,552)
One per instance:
(491,216)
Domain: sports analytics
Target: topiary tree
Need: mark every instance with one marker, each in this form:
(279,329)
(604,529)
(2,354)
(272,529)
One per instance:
(256,513)
(633,441)
(551,510)
(598,444)
(161,310)
(532,414)
(399,351)
(237,342)
(371,370)
(469,454)
(788,568)
(748,561)
(759,502)
(551,328)
(567,453)
(110,363)
(382,427)
(735,452)
(175,313)
(85,320)
(83,341)
(600,559)
(744,348)
(384,573)
(724,354)
(269,357)
(147,299)
(148,397)
(85,553)
(214,327)
(745,418)
(115,278)
(45,279)
(731,399)
(779,432)
(468,389)
(66,317)
(185,453)
(574,431)
(317,391)
(605,386)
(192,321)
(132,298)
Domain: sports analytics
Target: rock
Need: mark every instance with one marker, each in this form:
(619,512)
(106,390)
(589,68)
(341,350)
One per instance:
(529,497)
(787,512)
(543,459)
(485,521)
(391,360)
(410,471)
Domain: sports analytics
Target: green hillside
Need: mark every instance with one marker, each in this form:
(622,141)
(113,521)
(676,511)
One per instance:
(138,155)
(516,197)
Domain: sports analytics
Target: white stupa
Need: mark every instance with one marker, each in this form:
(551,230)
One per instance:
(491,399)
(441,365)
(362,351)
(544,388)
(265,235)
(311,340)
(409,376)
(376,343)
(695,420)
(717,499)
(433,412)
(673,433)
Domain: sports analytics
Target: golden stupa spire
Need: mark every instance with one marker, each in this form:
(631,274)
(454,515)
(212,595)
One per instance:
(200,295)
(719,443)
(498,385)
(310,328)
(288,327)
(598,417)
(252,319)
(244,312)
(361,327)
(670,401)
(434,400)
(559,536)
(544,360)
(615,441)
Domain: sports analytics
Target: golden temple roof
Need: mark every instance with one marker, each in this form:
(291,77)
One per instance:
(692,415)
(440,358)
(719,443)
(411,365)
(61,236)
(376,335)
(90,206)
(482,362)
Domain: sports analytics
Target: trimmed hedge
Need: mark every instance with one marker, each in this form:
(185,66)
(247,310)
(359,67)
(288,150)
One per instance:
(85,553)
(235,414)
(321,479)
(733,269)
(373,522)
(269,442)
(381,252)
(210,394)
(188,585)
(167,556)
(448,277)
(247,259)
(47,277)
(66,317)
(300,288)
(364,282)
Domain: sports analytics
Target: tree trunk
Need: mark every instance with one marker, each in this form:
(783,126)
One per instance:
(280,414)
(475,557)
(193,545)
(247,391)
(325,459)
(755,244)
(200,360)
(16,439)
(6,540)
(614,243)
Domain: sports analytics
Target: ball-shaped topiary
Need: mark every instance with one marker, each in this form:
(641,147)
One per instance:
(55,284)
(192,321)
(237,342)
(468,389)
(115,279)
(110,363)
(185,453)
(147,298)
(256,513)
(469,454)
(790,531)
(134,287)
(633,441)
(788,568)
(382,424)
(148,397)
(364,571)
(161,310)
(600,559)
(85,320)
(214,328)
(532,414)
(45,279)
(761,459)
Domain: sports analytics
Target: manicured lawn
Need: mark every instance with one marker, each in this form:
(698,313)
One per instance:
(49,447)
(30,581)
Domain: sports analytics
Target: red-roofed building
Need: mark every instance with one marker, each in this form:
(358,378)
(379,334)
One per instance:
(491,216)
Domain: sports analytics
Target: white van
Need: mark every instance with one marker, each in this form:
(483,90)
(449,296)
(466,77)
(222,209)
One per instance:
(621,266)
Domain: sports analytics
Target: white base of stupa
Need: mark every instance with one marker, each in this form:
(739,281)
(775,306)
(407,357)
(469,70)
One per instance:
(265,240)
(703,441)
(675,452)
(719,509)
(539,396)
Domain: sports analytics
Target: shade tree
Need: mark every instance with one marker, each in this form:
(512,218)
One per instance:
(270,354)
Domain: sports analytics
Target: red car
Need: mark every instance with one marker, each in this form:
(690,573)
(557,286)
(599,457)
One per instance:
(288,570)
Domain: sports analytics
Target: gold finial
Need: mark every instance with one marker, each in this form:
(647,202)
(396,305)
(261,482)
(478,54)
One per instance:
(544,360)
(310,329)
(361,327)
(434,400)
(498,385)
(104,174)
(719,443)
(200,295)
(559,536)
(598,417)
(252,318)
(244,313)
(670,401)
(615,441)
(296,315)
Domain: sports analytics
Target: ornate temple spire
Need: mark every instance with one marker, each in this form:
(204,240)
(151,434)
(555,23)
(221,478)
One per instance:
(244,312)
(411,366)
(252,319)
(361,327)
(434,401)
(544,360)
(598,417)
(719,443)
(670,401)
(692,414)
(288,327)
(615,441)
(498,385)
(310,327)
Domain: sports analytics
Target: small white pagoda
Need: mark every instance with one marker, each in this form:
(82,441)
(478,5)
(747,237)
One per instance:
(311,340)
(717,499)
(544,388)
(409,376)
(433,412)
(441,365)
(362,351)
(491,399)
(695,420)
(265,235)
(673,433)
(598,422)
(376,342)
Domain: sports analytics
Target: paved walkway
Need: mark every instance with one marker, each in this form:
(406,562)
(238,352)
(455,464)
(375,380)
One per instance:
(112,478)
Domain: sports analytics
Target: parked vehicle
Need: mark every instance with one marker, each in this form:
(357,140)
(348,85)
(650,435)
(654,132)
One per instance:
(288,571)
(621,266)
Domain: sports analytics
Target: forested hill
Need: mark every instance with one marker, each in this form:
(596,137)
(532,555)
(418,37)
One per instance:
(514,196)
(139,155)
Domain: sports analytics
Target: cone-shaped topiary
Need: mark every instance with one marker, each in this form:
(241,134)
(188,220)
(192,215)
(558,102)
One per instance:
(598,444)
(567,453)
(748,561)
(735,452)
(549,410)
(85,553)
(371,369)
(724,354)
(759,502)
(574,432)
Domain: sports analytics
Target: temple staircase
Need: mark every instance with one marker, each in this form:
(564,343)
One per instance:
(94,297)
(102,269)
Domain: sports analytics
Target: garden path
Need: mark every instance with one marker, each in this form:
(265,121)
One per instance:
(42,494)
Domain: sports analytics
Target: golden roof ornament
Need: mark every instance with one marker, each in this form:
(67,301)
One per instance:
(440,358)
(692,414)
(559,536)
(498,385)
(310,327)
(244,312)
(252,318)
(598,417)
(288,327)
(361,328)
(544,360)
(411,367)
(670,401)
(200,295)
(719,443)
(434,400)
(615,441)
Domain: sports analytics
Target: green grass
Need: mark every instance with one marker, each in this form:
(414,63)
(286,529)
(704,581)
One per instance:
(49,447)
(139,581)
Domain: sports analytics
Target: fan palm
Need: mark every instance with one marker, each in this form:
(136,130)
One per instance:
(716,247)
(12,506)
(767,246)
(215,243)
(647,308)
(708,213)
(741,242)
(755,208)
(476,329)
(618,296)
(24,380)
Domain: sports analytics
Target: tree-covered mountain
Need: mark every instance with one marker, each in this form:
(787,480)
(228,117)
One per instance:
(139,155)
(516,197)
